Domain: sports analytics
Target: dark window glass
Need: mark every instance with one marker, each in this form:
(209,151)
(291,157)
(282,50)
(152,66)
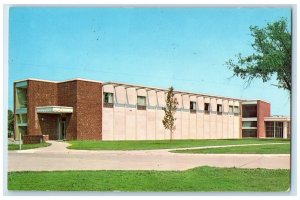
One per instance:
(219,109)
(249,133)
(236,110)
(274,129)
(250,124)
(141,102)
(108,100)
(230,109)
(192,106)
(249,110)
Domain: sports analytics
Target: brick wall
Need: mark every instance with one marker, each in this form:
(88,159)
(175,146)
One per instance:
(34,139)
(89,110)
(48,125)
(263,110)
(67,96)
(86,99)
(39,94)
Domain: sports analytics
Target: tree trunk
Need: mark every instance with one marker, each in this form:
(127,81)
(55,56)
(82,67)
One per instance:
(171,135)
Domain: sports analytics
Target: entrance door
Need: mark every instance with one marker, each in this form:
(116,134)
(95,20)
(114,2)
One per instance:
(61,130)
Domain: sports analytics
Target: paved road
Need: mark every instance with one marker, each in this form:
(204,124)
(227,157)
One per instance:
(57,157)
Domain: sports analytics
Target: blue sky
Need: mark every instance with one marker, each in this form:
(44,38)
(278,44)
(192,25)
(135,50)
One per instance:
(182,47)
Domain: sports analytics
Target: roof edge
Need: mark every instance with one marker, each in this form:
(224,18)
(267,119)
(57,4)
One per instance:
(68,80)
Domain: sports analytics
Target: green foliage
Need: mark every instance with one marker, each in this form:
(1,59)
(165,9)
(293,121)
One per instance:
(10,125)
(162,144)
(170,110)
(273,55)
(197,179)
(12,147)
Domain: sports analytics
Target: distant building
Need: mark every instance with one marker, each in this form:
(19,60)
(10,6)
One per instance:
(81,109)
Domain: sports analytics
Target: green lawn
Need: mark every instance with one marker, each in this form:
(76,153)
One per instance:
(258,149)
(26,146)
(197,179)
(161,144)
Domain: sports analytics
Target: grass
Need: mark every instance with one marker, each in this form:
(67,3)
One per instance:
(196,179)
(257,149)
(27,146)
(162,144)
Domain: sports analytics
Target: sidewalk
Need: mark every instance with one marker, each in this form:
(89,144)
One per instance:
(58,157)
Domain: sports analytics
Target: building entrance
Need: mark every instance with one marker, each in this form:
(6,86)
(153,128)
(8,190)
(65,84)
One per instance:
(274,129)
(61,129)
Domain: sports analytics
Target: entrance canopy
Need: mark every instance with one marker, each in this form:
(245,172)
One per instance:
(54,109)
(277,119)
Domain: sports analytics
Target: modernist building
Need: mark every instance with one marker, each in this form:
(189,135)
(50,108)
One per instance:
(84,109)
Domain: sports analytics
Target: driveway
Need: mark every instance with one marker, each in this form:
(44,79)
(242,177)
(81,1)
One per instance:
(58,157)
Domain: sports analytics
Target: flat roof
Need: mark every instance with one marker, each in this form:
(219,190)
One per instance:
(144,87)
(163,89)
(68,80)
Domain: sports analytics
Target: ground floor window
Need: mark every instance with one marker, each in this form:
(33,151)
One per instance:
(274,129)
(249,133)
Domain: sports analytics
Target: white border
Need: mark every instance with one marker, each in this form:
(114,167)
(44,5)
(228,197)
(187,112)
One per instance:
(118,3)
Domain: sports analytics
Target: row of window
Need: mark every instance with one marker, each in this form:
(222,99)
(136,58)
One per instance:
(142,105)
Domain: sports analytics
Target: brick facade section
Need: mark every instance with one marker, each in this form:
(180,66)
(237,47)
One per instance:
(67,96)
(263,110)
(33,139)
(85,123)
(48,125)
(89,110)
(38,94)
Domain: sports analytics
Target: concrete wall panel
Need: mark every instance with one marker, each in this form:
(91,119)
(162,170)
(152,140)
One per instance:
(119,124)
(141,125)
(107,126)
(130,124)
(151,125)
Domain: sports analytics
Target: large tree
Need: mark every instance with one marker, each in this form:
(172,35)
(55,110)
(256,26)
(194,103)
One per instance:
(170,110)
(272,56)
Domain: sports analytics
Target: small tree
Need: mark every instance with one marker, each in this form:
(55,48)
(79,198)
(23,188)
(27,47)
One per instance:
(170,110)
(10,125)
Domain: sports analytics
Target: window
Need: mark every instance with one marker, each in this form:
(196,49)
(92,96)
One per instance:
(249,133)
(219,109)
(141,103)
(108,100)
(274,129)
(249,124)
(192,107)
(21,118)
(249,110)
(230,109)
(236,110)
(21,98)
(206,107)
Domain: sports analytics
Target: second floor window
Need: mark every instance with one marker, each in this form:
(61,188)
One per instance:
(108,100)
(230,109)
(206,107)
(236,110)
(141,103)
(192,106)
(219,109)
